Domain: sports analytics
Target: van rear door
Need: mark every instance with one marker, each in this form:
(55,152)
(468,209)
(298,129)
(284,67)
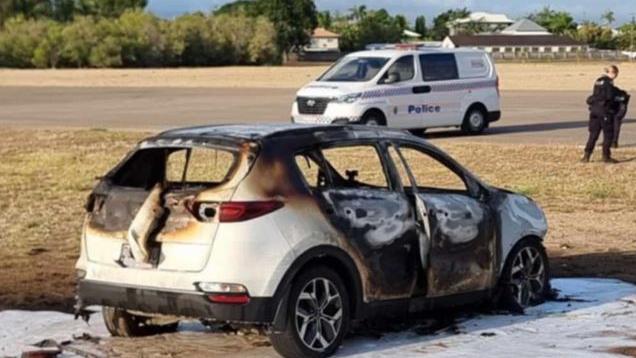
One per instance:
(158,209)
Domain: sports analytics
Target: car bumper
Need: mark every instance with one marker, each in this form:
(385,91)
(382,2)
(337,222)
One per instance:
(494,116)
(259,310)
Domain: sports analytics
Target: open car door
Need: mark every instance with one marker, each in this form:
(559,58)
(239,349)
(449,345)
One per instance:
(459,248)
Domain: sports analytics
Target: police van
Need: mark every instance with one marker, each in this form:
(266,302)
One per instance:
(410,89)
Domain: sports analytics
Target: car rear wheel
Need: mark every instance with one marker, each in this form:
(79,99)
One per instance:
(317,316)
(418,132)
(121,323)
(526,276)
(475,121)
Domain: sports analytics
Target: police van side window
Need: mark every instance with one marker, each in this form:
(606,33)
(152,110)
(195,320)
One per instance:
(401,70)
(439,67)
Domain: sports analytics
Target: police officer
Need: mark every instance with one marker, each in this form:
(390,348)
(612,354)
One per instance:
(621,102)
(601,104)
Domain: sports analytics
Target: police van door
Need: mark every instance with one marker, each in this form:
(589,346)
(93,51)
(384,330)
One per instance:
(440,96)
(396,86)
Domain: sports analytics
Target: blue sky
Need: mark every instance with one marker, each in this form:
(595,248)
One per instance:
(581,9)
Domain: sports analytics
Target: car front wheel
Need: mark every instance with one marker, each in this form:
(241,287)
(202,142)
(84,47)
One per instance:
(526,276)
(317,316)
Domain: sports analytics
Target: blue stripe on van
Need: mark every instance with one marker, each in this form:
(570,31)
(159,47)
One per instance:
(446,87)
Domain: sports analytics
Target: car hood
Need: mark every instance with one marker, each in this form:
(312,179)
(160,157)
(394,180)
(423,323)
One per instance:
(331,89)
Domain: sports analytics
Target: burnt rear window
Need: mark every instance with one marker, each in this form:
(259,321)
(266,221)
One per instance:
(198,166)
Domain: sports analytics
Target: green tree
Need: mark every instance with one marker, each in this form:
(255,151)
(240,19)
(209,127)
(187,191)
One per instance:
(420,26)
(557,22)
(324,19)
(374,26)
(49,50)
(108,8)
(80,37)
(440,22)
(596,36)
(142,41)
(18,41)
(627,37)
(294,21)
(608,17)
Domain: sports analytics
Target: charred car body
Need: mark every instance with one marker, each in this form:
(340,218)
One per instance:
(301,229)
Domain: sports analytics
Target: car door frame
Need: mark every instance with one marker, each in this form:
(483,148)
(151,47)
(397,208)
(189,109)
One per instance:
(475,191)
(400,95)
(408,239)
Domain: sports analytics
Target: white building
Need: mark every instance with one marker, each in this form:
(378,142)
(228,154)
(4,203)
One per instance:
(524,38)
(323,40)
(488,21)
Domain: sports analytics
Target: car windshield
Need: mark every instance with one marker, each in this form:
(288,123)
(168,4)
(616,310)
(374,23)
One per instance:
(354,69)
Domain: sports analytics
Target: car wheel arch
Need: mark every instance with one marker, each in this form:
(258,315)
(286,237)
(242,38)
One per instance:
(377,111)
(326,255)
(476,105)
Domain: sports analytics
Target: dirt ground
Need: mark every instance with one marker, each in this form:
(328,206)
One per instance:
(45,176)
(566,76)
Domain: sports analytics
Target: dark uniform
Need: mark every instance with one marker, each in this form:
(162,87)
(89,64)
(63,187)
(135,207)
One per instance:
(621,102)
(601,104)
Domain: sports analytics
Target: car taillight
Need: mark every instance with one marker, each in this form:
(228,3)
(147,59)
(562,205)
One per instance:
(235,211)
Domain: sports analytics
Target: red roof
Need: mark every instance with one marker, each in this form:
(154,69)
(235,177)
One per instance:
(322,32)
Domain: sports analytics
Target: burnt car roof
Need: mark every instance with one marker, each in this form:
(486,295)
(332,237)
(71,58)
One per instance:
(257,132)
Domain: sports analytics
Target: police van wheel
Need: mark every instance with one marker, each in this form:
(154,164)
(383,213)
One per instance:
(418,132)
(373,118)
(475,121)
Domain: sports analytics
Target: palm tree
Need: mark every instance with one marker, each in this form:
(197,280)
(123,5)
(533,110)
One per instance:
(609,17)
(358,12)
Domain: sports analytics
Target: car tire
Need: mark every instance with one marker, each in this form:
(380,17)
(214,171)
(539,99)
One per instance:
(418,132)
(373,118)
(315,324)
(475,121)
(121,323)
(525,279)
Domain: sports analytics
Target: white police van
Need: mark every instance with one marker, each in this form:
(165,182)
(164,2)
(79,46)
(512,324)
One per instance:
(411,89)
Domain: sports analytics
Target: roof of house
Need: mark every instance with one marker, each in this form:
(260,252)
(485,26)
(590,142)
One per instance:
(322,32)
(484,17)
(513,40)
(524,25)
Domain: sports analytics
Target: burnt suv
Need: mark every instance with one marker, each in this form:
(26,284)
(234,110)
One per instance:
(302,230)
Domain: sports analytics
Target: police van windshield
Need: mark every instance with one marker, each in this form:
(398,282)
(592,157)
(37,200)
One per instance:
(354,69)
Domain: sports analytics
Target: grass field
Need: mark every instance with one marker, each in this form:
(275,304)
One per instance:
(45,177)
(566,76)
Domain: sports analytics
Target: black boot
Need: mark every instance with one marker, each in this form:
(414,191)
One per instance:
(609,160)
(586,158)
(615,145)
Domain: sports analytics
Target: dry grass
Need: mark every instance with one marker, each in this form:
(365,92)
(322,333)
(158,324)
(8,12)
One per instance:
(46,175)
(569,76)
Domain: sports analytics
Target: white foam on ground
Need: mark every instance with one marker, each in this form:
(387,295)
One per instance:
(604,319)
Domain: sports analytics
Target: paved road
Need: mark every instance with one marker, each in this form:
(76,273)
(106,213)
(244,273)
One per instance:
(528,116)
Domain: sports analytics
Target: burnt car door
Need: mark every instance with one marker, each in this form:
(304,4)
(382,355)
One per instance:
(459,252)
(360,199)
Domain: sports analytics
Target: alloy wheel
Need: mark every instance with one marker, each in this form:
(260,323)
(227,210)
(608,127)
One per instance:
(527,276)
(318,314)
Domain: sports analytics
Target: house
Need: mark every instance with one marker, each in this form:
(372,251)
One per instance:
(485,21)
(323,40)
(524,38)
(525,27)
